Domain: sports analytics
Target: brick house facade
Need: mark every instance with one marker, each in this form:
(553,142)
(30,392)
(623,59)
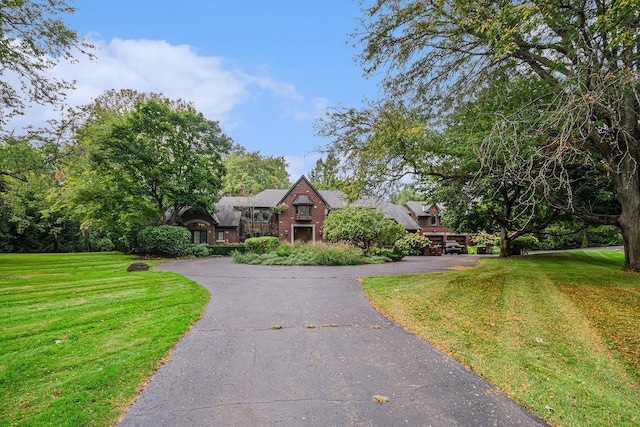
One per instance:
(298,215)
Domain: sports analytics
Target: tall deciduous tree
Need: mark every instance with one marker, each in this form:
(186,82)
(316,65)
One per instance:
(139,160)
(585,53)
(254,172)
(383,144)
(33,39)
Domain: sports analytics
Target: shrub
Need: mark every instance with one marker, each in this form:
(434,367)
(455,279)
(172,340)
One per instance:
(411,244)
(165,240)
(227,249)
(389,254)
(105,245)
(199,251)
(337,254)
(284,250)
(485,239)
(261,245)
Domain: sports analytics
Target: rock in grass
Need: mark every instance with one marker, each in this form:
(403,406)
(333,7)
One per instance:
(138,266)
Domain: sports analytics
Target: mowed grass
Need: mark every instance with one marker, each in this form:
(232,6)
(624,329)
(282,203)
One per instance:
(559,333)
(79,334)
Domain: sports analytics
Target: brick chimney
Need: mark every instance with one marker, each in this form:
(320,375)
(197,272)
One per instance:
(241,190)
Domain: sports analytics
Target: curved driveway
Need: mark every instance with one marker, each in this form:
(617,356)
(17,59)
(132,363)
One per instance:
(235,369)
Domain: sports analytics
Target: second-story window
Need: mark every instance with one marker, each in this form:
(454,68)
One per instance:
(303,210)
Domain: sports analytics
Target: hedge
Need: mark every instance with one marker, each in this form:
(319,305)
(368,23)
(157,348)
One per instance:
(226,249)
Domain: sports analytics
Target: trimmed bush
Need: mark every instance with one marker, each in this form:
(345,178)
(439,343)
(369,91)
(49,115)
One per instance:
(261,245)
(165,240)
(225,250)
(199,251)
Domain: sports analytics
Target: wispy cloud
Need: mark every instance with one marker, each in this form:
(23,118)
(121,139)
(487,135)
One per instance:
(215,85)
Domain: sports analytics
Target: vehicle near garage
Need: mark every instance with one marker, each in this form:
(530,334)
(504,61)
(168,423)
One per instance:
(452,248)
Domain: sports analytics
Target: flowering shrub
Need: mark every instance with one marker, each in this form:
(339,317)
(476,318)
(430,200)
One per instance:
(411,244)
(485,239)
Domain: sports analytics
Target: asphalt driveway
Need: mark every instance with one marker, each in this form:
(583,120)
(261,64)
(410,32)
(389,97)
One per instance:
(301,346)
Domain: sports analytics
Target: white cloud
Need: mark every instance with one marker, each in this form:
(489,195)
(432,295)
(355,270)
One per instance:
(317,108)
(301,165)
(157,66)
(178,71)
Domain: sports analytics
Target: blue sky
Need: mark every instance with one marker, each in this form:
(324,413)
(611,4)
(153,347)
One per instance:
(265,69)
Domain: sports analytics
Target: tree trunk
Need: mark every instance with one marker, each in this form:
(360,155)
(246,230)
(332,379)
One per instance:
(504,242)
(628,192)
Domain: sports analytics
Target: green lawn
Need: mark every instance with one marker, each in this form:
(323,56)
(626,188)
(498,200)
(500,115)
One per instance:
(559,333)
(78,334)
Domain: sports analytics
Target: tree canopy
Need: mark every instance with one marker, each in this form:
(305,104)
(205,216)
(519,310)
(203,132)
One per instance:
(579,121)
(361,226)
(140,161)
(254,172)
(33,38)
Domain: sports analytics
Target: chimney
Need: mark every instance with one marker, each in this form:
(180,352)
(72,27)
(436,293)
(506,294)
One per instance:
(241,190)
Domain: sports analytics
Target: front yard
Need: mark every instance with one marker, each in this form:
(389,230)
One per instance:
(559,333)
(78,334)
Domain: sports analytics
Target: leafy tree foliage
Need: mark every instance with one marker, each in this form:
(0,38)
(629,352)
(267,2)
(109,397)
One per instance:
(139,160)
(361,226)
(25,225)
(382,144)
(34,38)
(254,171)
(584,58)
(409,192)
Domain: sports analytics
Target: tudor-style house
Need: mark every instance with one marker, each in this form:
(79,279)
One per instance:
(429,218)
(298,214)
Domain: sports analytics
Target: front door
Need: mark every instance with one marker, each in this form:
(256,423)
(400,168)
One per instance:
(303,234)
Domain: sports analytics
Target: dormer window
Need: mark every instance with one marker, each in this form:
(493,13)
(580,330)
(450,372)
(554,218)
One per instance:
(303,207)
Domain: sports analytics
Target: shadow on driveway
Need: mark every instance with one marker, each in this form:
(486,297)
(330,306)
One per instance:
(301,346)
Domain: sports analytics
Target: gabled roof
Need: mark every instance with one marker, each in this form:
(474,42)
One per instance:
(227,214)
(303,178)
(302,199)
(182,211)
(398,213)
(418,208)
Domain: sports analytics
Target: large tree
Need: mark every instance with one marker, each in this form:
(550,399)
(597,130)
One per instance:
(254,172)
(138,160)
(33,39)
(586,55)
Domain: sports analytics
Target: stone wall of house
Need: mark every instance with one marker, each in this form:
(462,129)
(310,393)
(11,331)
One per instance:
(287,222)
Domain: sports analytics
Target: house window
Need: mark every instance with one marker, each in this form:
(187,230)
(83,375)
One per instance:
(257,215)
(303,211)
(198,237)
(220,236)
(434,220)
(198,233)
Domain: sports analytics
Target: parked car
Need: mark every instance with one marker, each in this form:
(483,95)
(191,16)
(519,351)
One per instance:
(452,248)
